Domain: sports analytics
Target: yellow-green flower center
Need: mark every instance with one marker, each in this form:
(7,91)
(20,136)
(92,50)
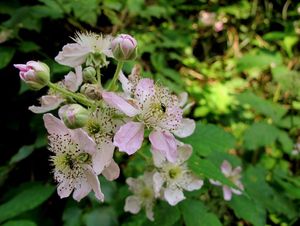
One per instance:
(174,172)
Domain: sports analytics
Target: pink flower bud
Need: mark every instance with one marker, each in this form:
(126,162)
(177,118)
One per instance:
(124,47)
(34,73)
(74,116)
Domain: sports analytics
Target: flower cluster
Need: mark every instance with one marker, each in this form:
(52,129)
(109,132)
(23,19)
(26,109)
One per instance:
(95,119)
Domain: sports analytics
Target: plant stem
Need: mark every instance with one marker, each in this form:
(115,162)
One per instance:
(98,76)
(112,84)
(75,96)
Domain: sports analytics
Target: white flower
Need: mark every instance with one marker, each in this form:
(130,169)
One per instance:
(143,195)
(233,175)
(75,54)
(172,178)
(101,126)
(74,152)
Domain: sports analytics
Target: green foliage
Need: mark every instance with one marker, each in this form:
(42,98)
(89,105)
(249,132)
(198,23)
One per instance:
(29,198)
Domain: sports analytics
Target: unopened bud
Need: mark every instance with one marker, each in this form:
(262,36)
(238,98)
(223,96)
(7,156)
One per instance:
(74,115)
(91,90)
(89,75)
(34,73)
(124,47)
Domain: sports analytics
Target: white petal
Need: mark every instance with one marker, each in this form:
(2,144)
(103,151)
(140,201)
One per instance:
(127,86)
(145,89)
(74,80)
(149,211)
(48,103)
(111,172)
(72,55)
(185,152)
(182,98)
(132,204)
(81,191)
(186,128)
(64,189)
(158,158)
(94,182)
(158,182)
(191,183)
(103,156)
(173,195)
(85,142)
(214,182)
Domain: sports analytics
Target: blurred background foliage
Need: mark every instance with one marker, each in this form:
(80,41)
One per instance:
(239,62)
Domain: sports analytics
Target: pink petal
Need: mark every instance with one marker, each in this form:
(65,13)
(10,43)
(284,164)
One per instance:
(165,143)
(72,55)
(186,128)
(129,137)
(172,118)
(48,103)
(182,98)
(74,80)
(173,195)
(132,204)
(54,125)
(111,172)
(103,156)
(191,183)
(94,182)
(145,89)
(119,103)
(227,193)
(21,67)
(85,142)
(237,171)
(226,168)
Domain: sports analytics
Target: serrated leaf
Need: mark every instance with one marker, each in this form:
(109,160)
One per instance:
(6,54)
(259,135)
(210,138)
(195,213)
(248,210)
(28,199)
(260,105)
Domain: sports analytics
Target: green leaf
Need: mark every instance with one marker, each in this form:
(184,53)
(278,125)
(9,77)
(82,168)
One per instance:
(248,210)
(210,138)
(161,211)
(261,59)
(20,223)
(259,135)
(27,47)
(72,216)
(105,215)
(195,213)
(6,54)
(23,153)
(27,199)
(260,105)
(274,36)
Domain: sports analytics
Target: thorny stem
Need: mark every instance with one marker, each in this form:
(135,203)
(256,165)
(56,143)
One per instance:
(81,99)
(112,84)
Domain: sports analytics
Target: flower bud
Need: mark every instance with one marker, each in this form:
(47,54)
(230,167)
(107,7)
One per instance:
(34,73)
(91,90)
(124,47)
(74,115)
(89,75)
